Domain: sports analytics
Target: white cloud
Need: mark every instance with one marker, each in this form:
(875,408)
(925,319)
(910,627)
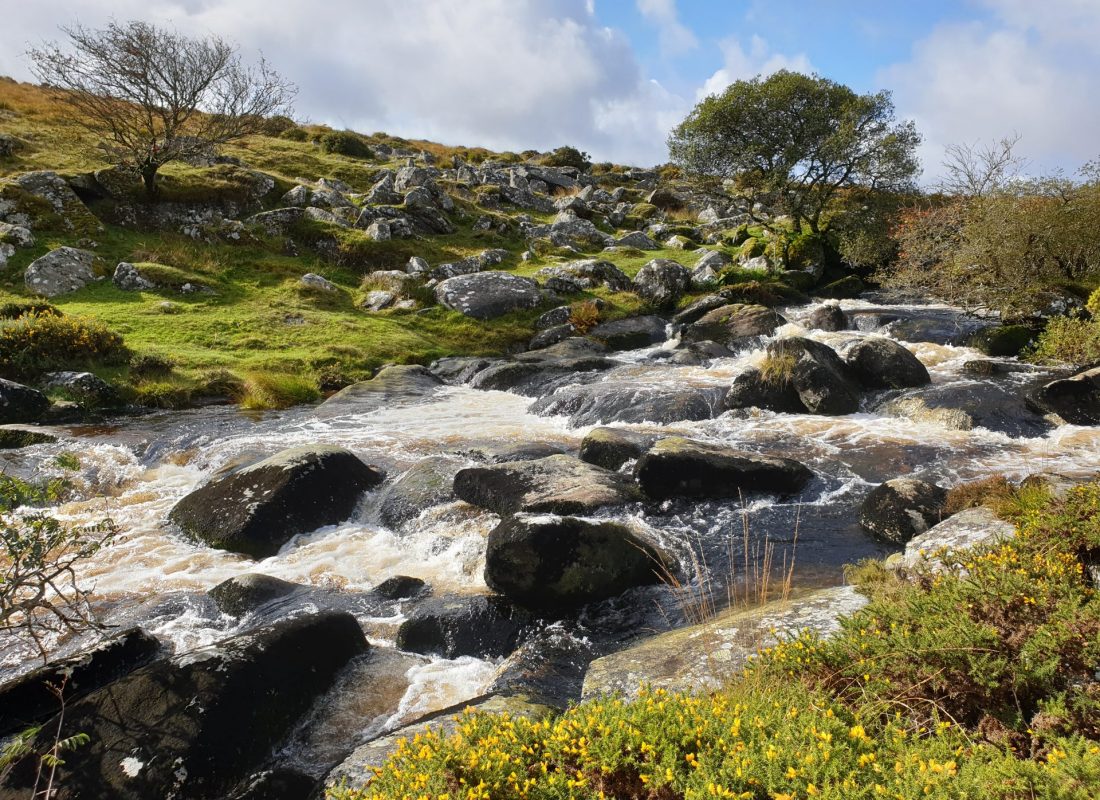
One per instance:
(741,64)
(674,37)
(1035,72)
(507,74)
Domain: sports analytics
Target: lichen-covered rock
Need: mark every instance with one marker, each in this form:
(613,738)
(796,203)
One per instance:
(733,324)
(588,273)
(52,188)
(678,467)
(967,529)
(559,484)
(554,563)
(637,239)
(128,278)
(488,295)
(60,271)
(258,508)
(662,282)
(901,508)
(88,389)
(706,657)
(311,280)
(392,386)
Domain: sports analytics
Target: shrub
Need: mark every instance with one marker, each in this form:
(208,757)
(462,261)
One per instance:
(1068,341)
(148,365)
(163,394)
(28,308)
(30,346)
(267,390)
(277,125)
(568,157)
(994,492)
(345,143)
(295,135)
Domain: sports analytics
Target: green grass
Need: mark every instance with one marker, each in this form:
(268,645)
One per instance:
(976,682)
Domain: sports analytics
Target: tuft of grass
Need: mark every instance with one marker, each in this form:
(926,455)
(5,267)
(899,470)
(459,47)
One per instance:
(777,369)
(272,390)
(584,316)
(994,492)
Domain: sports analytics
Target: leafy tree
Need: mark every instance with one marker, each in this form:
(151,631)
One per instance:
(793,141)
(153,96)
(568,156)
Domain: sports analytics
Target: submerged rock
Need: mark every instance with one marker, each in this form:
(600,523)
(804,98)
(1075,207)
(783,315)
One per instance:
(552,562)
(628,401)
(558,484)
(427,483)
(632,333)
(479,626)
(257,509)
(677,467)
(899,509)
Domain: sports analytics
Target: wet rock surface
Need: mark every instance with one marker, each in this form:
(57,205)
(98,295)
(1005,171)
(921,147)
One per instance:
(901,508)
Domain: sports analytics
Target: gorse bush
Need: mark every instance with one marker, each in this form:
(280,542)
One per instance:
(345,143)
(978,681)
(28,308)
(31,345)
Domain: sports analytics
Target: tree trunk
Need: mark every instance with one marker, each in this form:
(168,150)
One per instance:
(149,178)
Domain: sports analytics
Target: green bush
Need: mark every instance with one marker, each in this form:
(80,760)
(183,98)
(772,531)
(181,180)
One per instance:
(295,135)
(568,157)
(1068,341)
(345,143)
(30,346)
(31,308)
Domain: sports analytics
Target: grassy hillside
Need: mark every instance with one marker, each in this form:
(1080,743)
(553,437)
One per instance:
(258,318)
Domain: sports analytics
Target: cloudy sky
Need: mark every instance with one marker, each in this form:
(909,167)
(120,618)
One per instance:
(613,76)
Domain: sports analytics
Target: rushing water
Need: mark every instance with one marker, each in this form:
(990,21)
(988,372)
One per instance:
(136,469)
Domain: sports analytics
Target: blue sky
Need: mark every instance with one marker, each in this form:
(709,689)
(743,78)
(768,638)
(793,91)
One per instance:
(613,76)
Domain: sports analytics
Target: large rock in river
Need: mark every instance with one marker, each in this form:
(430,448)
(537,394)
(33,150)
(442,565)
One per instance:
(1075,400)
(823,382)
(488,295)
(628,401)
(480,626)
(557,484)
(550,562)
(610,448)
(677,467)
(881,363)
(257,509)
(195,725)
(396,385)
(733,324)
(901,508)
(19,403)
(428,483)
(631,333)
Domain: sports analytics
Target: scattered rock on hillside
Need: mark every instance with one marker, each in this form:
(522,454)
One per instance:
(16,235)
(901,508)
(257,509)
(662,282)
(52,188)
(488,295)
(881,363)
(678,467)
(311,280)
(559,484)
(60,271)
(1075,400)
(128,278)
(196,724)
(637,239)
(19,403)
(451,627)
(553,563)
(582,275)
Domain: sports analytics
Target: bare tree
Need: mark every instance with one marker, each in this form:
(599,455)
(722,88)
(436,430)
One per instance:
(976,170)
(154,96)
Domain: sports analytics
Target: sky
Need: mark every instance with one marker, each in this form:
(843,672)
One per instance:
(612,77)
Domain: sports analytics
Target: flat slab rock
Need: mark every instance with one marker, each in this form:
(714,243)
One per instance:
(967,529)
(705,657)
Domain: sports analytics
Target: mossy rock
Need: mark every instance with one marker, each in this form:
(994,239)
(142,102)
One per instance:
(797,280)
(737,236)
(644,211)
(752,247)
(844,288)
(805,251)
(763,293)
(1002,341)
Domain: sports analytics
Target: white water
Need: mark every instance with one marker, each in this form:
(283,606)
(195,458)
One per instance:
(139,470)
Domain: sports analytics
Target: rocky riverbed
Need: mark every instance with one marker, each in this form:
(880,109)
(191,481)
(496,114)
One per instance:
(484,529)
